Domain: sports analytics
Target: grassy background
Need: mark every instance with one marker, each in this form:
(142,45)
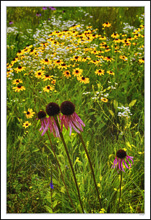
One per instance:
(30,160)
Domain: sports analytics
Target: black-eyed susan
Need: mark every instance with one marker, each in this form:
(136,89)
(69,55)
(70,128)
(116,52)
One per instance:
(19,69)
(102,38)
(19,88)
(141,60)
(77,72)
(46,77)
(48,88)
(99,72)
(108,59)
(104,99)
(111,72)
(29,113)
(76,58)
(115,35)
(67,74)
(26,124)
(117,40)
(45,61)
(58,62)
(39,74)
(83,79)
(107,24)
(19,53)
(122,57)
(62,66)
(16,81)
(53,82)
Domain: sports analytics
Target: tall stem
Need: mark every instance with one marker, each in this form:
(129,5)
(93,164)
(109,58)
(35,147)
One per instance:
(60,171)
(90,167)
(120,193)
(66,149)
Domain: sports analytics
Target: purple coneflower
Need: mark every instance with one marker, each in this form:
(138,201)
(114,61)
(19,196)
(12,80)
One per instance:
(70,118)
(11,22)
(52,8)
(52,110)
(120,157)
(44,8)
(43,120)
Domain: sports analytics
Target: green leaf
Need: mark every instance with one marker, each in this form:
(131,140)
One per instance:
(115,103)
(111,112)
(132,103)
(48,209)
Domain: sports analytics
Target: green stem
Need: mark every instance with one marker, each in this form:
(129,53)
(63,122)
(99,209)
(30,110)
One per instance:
(65,146)
(60,171)
(120,193)
(90,167)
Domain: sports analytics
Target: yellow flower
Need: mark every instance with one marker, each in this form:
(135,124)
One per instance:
(29,113)
(19,69)
(19,88)
(99,72)
(26,124)
(115,35)
(102,210)
(39,74)
(77,72)
(47,77)
(107,24)
(48,88)
(17,81)
(67,74)
(104,99)
(111,72)
(83,79)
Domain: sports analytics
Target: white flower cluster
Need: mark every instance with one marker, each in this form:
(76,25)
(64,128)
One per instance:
(125,112)
(127,27)
(12,30)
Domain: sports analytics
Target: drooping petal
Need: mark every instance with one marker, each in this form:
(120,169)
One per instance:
(125,164)
(79,119)
(122,166)
(45,129)
(130,158)
(119,165)
(74,127)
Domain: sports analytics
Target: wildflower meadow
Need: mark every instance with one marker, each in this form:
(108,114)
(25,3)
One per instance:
(75,109)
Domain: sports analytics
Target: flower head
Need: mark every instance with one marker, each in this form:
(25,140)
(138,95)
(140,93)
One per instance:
(51,185)
(120,158)
(26,124)
(29,113)
(52,110)
(70,119)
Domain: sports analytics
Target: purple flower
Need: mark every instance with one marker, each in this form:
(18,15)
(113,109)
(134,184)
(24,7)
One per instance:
(11,22)
(120,157)
(43,120)
(44,8)
(51,185)
(70,119)
(38,15)
(52,110)
(52,8)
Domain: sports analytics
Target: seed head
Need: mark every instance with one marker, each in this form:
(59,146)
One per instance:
(52,109)
(67,108)
(41,114)
(121,154)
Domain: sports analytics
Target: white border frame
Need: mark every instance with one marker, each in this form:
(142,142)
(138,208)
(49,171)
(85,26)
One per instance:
(145,4)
